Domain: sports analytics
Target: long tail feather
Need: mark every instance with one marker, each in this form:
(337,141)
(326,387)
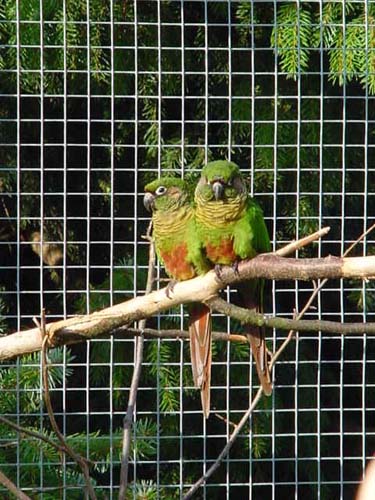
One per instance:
(251,296)
(259,350)
(200,351)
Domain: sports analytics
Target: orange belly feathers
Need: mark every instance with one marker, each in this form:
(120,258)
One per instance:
(176,263)
(223,253)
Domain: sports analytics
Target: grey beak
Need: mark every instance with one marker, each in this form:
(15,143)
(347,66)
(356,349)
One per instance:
(218,190)
(148,201)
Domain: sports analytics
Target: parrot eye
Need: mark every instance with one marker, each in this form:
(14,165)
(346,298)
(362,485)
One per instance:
(160,190)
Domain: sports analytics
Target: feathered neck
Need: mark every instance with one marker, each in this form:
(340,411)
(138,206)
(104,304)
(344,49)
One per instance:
(171,222)
(220,213)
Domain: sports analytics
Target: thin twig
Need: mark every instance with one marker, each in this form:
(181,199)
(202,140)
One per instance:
(128,419)
(5,481)
(47,400)
(34,434)
(358,240)
(246,416)
(227,447)
(311,299)
(174,333)
(298,244)
(220,417)
(258,395)
(290,335)
(9,444)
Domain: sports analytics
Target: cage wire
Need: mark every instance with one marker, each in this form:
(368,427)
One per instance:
(100,97)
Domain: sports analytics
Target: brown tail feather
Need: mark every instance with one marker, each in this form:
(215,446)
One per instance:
(259,350)
(200,351)
(249,294)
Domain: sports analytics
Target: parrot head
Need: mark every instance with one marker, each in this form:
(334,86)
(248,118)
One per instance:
(220,180)
(166,193)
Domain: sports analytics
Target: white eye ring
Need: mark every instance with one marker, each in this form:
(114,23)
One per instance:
(160,190)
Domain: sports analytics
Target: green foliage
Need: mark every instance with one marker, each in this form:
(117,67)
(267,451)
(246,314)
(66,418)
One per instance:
(292,38)
(120,282)
(348,36)
(159,355)
(362,299)
(62,35)
(21,382)
(29,450)
(246,18)
(282,138)
(145,444)
(3,310)
(144,490)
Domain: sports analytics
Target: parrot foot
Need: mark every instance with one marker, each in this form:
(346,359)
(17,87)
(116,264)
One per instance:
(169,289)
(235,267)
(218,271)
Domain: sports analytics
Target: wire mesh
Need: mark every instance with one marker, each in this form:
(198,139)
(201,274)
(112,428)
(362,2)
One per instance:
(97,98)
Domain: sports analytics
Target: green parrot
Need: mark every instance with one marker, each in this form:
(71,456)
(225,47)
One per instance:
(231,227)
(177,246)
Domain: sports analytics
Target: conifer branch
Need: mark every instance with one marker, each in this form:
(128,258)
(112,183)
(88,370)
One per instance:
(36,435)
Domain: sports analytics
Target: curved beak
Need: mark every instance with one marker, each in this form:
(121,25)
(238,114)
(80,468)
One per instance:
(218,190)
(148,201)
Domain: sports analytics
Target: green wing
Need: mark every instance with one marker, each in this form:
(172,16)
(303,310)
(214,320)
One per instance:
(250,232)
(195,250)
(261,239)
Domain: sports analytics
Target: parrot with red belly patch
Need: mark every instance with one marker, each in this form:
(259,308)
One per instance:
(178,248)
(231,226)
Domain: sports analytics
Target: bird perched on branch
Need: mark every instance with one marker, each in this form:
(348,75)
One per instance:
(231,226)
(177,246)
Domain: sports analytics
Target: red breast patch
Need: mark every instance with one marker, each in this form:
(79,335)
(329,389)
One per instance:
(176,263)
(223,253)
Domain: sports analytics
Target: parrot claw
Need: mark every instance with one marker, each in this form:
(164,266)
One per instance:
(169,289)
(217,270)
(235,267)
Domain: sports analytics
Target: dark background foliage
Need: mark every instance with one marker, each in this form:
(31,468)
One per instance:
(284,90)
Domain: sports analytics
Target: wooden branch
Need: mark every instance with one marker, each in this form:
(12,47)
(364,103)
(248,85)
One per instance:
(271,266)
(79,460)
(173,333)
(199,289)
(249,317)
(5,481)
(27,341)
(128,419)
(297,244)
